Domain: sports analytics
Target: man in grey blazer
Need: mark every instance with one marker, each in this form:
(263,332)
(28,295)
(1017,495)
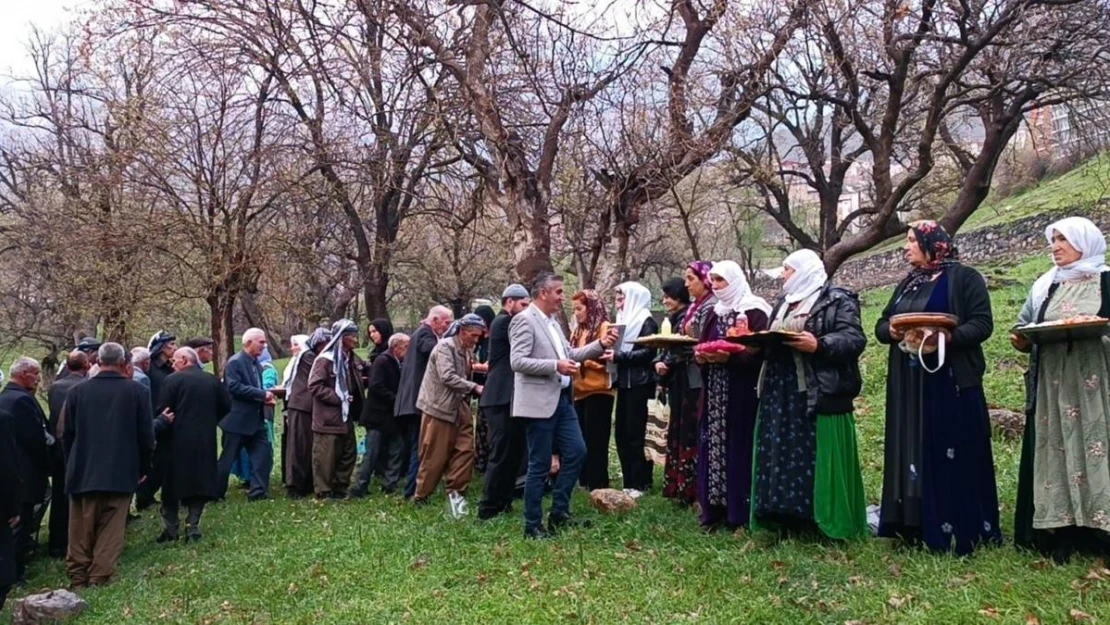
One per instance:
(543,364)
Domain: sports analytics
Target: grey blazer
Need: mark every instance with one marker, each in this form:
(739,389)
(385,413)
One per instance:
(533,357)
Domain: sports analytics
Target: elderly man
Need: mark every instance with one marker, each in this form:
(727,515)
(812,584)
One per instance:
(194,401)
(377,418)
(446,425)
(544,362)
(27,423)
(203,347)
(412,376)
(140,365)
(86,346)
(245,426)
(336,387)
(161,347)
(297,434)
(109,439)
(507,444)
(77,366)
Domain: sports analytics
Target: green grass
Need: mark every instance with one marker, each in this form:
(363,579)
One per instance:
(383,561)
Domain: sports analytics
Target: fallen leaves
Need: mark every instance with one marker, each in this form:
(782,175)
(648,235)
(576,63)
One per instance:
(895,570)
(420,563)
(990,612)
(898,602)
(1080,616)
(1031,619)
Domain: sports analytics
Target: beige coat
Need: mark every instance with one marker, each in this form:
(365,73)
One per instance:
(446,383)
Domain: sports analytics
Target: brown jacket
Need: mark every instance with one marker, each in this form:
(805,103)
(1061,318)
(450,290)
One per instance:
(327,410)
(593,378)
(446,382)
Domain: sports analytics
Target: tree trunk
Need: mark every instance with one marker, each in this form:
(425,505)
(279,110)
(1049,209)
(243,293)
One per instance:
(257,318)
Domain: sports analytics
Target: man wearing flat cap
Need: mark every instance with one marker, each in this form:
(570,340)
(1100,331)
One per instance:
(161,346)
(336,387)
(203,347)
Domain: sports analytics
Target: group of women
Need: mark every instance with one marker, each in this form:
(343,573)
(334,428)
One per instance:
(766,437)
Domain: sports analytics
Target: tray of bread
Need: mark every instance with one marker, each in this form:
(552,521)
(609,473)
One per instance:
(909,321)
(666,340)
(764,339)
(1079,327)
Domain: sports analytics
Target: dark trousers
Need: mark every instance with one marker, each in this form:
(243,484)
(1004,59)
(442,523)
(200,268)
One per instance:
(262,460)
(595,417)
(561,430)
(381,449)
(632,416)
(59,512)
(7,560)
(411,427)
(24,535)
(171,515)
(508,448)
(144,494)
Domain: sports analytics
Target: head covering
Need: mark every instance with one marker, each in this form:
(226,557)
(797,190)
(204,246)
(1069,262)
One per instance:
(158,342)
(320,336)
(300,340)
(701,270)
(737,297)
(637,310)
(486,313)
(595,316)
(469,320)
(1088,240)
(385,330)
(675,288)
(89,345)
(200,341)
(334,352)
(939,250)
(514,291)
(265,358)
(809,275)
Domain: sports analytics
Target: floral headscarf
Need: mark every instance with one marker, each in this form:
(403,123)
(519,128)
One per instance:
(938,247)
(595,316)
(700,268)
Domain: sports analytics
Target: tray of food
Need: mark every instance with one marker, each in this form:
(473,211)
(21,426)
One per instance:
(908,321)
(666,340)
(1075,328)
(764,339)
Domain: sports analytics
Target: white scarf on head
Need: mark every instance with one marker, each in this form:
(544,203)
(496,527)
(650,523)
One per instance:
(300,340)
(1088,240)
(737,297)
(809,275)
(338,356)
(637,310)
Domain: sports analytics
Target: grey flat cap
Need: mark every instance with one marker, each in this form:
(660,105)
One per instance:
(514,291)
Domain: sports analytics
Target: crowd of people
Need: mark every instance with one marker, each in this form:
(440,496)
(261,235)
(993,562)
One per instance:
(757,436)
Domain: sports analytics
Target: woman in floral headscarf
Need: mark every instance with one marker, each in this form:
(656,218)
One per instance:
(593,393)
(938,478)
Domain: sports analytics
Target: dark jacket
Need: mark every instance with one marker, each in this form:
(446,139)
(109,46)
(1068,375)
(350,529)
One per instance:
(160,369)
(833,379)
(198,401)
(108,435)
(970,301)
(412,371)
(56,399)
(243,379)
(327,408)
(381,393)
(302,398)
(11,485)
(28,429)
(636,367)
(498,390)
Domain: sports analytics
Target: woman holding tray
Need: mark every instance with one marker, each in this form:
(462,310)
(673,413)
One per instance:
(807,472)
(682,378)
(938,479)
(728,412)
(1063,503)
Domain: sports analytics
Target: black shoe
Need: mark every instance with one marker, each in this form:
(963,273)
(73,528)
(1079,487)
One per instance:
(244,485)
(165,537)
(537,533)
(131,518)
(356,493)
(193,536)
(335,494)
(58,554)
(143,504)
(566,521)
(258,498)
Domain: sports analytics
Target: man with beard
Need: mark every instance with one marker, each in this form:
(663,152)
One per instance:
(297,434)
(377,417)
(203,347)
(507,443)
(162,346)
(27,424)
(77,366)
(194,401)
(336,387)
(412,375)
(245,426)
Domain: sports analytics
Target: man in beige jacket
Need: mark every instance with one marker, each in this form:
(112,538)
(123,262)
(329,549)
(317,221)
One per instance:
(447,425)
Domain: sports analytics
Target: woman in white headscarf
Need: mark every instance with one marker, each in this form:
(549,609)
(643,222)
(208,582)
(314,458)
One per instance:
(1064,482)
(807,471)
(635,385)
(729,409)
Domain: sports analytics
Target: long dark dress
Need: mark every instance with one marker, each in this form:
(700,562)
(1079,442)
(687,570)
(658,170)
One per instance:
(727,427)
(938,478)
(684,389)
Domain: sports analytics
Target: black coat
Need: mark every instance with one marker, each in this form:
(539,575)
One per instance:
(243,378)
(160,369)
(412,371)
(11,486)
(27,426)
(56,400)
(498,390)
(198,401)
(302,397)
(636,367)
(108,435)
(970,301)
(833,379)
(381,393)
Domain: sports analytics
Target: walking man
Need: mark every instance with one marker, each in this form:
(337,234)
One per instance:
(245,426)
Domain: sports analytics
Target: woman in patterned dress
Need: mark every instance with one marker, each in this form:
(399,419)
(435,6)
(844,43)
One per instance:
(807,471)
(728,413)
(938,476)
(1064,480)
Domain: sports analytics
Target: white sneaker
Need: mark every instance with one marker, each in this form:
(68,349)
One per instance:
(633,493)
(457,506)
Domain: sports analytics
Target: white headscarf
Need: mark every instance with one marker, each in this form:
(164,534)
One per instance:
(737,296)
(300,340)
(637,310)
(1088,240)
(809,275)
(334,352)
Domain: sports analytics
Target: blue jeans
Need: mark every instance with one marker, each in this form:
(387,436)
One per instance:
(563,433)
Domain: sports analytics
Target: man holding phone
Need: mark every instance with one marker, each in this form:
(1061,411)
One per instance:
(543,363)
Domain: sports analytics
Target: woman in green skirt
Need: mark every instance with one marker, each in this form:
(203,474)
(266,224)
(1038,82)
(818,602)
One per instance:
(806,472)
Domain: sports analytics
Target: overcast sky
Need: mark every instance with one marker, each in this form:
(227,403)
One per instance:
(16,19)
